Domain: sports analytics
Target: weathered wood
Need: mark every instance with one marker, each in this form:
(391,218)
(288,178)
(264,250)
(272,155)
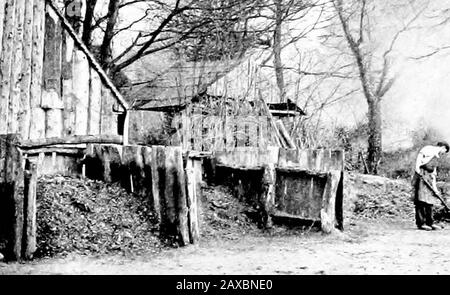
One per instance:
(327,212)
(68,95)
(6,63)
(268,202)
(37,121)
(29,231)
(52,57)
(158,173)
(54,123)
(192,192)
(302,170)
(43,142)
(59,150)
(81,76)
(108,118)
(111,156)
(182,209)
(2,17)
(95,103)
(24,113)
(133,162)
(288,142)
(12,195)
(92,61)
(169,191)
(16,75)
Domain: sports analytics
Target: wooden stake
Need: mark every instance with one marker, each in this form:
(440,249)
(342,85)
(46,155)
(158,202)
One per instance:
(29,232)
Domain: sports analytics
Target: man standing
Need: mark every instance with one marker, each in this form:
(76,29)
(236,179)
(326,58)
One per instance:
(424,177)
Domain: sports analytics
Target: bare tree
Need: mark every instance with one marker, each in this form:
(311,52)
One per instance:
(376,78)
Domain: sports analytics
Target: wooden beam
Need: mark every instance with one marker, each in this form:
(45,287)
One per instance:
(93,62)
(24,114)
(29,227)
(272,121)
(6,65)
(105,139)
(51,149)
(37,124)
(286,137)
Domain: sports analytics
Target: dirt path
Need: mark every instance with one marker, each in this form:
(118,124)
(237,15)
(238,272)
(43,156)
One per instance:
(366,248)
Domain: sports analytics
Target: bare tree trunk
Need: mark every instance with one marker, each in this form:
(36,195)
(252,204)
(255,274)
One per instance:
(375,138)
(106,50)
(278,64)
(87,25)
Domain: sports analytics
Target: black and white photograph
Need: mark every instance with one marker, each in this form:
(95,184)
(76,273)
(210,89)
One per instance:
(259,138)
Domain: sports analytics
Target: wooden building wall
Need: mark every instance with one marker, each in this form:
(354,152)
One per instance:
(49,84)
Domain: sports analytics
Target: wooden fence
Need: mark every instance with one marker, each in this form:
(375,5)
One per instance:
(304,184)
(161,174)
(157,173)
(216,133)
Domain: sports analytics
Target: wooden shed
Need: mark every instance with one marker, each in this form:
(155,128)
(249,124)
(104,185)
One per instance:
(52,90)
(208,106)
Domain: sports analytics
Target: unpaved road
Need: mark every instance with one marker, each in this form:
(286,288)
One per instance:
(376,247)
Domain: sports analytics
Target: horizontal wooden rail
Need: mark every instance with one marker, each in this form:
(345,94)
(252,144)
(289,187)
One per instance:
(70,140)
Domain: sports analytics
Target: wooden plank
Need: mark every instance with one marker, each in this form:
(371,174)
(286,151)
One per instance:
(242,133)
(16,72)
(37,124)
(111,156)
(80,45)
(268,203)
(181,198)
(81,75)
(24,113)
(192,204)
(158,181)
(285,137)
(29,241)
(54,123)
(68,96)
(6,63)
(59,150)
(169,193)
(95,103)
(14,178)
(52,55)
(337,160)
(229,134)
(108,118)
(327,212)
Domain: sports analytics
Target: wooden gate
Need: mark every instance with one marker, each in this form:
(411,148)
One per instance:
(17,200)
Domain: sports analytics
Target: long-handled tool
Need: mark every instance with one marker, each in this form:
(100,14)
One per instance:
(437,195)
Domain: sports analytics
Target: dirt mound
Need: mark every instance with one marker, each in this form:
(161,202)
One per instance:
(86,216)
(224,216)
(377,197)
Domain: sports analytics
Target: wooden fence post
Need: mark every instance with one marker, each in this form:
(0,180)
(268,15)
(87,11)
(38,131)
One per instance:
(268,202)
(11,192)
(327,212)
(29,231)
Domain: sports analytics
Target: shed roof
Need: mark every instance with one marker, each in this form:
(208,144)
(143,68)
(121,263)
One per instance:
(178,84)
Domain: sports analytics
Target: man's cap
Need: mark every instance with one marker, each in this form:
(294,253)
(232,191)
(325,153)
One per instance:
(443,143)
